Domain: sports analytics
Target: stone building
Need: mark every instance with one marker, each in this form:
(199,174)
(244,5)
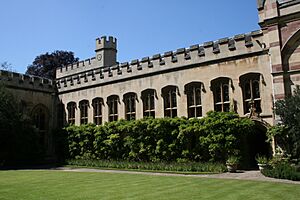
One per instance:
(37,99)
(245,73)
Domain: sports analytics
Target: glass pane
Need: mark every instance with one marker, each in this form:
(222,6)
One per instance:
(198,96)
(226,107)
(257,106)
(115,107)
(225,93)
(133,104)
(247,107)
(174,102)
(190,99)
(247,91)
(174,113)
(191,112)
(167,113)
(110,105)
(218,108)
(151,102)
(199,112)
(127,106)
(255,89)
(152,114)
(167,101)
(218,95)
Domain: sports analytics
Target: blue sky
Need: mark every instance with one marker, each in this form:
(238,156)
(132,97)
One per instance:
(143,28)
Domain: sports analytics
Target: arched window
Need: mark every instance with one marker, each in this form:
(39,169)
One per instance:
(71,106)
(250,84)
(220,88)
(148,98)
(40,117)
(193,93)
(169,94)
(83,105)
(112,102)
(97,110)
(129,101)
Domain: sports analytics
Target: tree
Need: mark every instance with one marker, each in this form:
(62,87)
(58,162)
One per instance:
(45,65)
(19,141)
(6,66)
(287,132)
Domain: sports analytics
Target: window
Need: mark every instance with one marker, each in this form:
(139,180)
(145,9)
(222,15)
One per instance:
(220,89)
(148,98)
(112,102)
(71,112)
(170,101)
(193,93)
(250,84)
(40,116)
(129,101)
(97,110)
(83,105)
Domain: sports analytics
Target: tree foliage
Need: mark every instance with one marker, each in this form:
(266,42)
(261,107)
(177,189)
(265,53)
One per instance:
(19,140)
(287,133)
(6,66)
(45,65)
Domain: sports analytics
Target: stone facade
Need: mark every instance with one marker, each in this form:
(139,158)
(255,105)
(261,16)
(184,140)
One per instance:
(37,99)
(241,72)
(245,73)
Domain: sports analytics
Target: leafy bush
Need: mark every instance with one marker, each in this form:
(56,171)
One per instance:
(283,171)
(211,138)
(157,166)
(286,133)
(19,140)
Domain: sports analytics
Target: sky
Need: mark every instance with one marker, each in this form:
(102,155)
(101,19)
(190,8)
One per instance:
(142,28)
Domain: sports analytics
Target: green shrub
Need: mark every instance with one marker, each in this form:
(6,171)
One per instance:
(211,138)
(19,139)
(283,171)
(157,166)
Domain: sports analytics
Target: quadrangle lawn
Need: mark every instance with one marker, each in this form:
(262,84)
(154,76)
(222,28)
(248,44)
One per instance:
(36,184)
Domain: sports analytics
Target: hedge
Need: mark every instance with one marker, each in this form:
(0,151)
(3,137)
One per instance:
(211,138)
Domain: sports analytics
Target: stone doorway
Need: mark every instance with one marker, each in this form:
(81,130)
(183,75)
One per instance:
(255,144)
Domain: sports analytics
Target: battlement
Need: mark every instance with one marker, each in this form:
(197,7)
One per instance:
(195,55)
(17,80)
(103,43)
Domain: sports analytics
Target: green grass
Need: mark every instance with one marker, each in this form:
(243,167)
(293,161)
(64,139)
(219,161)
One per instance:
(82,185)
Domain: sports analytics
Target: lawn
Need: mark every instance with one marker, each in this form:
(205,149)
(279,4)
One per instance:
(82,185)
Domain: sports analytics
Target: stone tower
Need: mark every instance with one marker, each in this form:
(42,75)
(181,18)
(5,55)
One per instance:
(106,51)
(280,23)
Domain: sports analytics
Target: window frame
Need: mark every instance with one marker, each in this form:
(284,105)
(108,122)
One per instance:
(218,86)
(97,104)
(71,107)
(194,108)
(148,97)
(112,103)
(84,111)
(169,94)
(129,100)
(251,78)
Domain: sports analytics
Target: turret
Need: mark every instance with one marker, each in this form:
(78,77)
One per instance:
(106,51)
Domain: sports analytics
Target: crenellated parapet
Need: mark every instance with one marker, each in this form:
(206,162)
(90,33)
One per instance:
(106,43)
(77,67)
(22,81)
(106,49)
(85,74)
